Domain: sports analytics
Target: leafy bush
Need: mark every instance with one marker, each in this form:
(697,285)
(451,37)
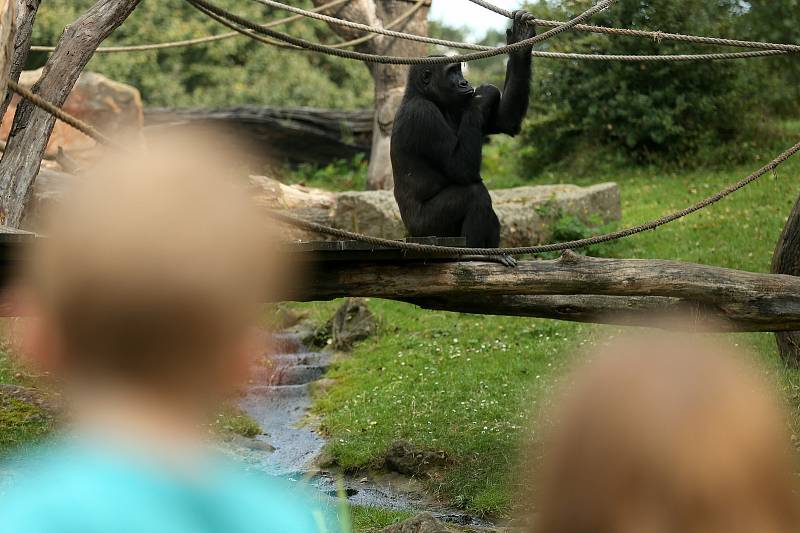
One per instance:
(340,175)
(642,111)
(224,73)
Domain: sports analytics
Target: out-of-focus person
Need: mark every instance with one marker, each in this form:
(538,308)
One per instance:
(660,434)
(143,298)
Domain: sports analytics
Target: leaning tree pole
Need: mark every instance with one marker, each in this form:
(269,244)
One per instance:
(8,29)
(21,44)
(390,80)
(31,128)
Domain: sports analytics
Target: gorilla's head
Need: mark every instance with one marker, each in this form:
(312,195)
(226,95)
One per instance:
(443,84)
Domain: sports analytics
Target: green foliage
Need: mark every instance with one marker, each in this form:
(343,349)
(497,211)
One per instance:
(642,112)
(340,175)
(776,21)
(225,73)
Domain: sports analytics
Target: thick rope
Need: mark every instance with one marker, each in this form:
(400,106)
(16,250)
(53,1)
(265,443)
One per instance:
(199,40)
(555,247)
(551,55)
(374,31)
(396,60)
(59,113)
(655,35)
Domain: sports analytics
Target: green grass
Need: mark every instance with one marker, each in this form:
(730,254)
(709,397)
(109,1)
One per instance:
(372,519)
(21,422)
(469,384)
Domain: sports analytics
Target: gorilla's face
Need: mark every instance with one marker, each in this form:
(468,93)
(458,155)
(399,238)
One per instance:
(445,84)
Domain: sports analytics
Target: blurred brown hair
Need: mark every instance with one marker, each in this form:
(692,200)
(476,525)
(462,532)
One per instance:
(153,265)
(662,435)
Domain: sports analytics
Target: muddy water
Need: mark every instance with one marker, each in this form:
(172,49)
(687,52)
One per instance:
(279,398)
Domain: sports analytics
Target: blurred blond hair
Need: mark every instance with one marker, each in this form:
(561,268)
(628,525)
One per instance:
(666,434)
(153,264)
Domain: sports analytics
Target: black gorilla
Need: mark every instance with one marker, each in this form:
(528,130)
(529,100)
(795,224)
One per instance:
(438,138)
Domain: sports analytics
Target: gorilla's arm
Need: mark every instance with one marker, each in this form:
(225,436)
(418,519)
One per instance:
(517,87)
(422,129)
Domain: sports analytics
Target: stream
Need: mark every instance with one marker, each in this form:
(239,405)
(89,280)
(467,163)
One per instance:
(278,399)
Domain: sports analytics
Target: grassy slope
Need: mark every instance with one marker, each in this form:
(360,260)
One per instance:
(465,383)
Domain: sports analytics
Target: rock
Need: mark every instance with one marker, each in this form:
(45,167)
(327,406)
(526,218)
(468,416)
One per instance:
(50,403)
(352,322)
(315,205)
(527,214)
(408,459)
(422,523)
(111,107)
(371,212)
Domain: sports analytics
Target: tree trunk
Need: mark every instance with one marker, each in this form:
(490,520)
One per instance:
(31,129)
(7,33)
(390,80)
(648,311)
(25,15)
(786,260)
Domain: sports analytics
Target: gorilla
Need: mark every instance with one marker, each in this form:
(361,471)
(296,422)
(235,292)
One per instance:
(437,143)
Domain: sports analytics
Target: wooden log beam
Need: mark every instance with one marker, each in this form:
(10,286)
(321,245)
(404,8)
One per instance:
(648,311)
(766,302)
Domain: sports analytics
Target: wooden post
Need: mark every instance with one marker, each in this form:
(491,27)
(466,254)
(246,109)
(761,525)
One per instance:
(7,34)
(32,126)
(25,15)
(786,260)
(390,80)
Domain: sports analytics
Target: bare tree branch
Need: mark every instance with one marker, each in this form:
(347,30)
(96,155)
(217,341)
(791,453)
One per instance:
(25,16)
(32,127)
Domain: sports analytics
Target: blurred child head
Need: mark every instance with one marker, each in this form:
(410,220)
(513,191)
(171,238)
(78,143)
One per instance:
(149,275)
(661,435)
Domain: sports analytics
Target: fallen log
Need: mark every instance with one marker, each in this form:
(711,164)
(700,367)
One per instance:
(661,311)
(752,302)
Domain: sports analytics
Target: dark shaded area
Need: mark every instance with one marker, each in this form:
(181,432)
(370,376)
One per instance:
(293,135)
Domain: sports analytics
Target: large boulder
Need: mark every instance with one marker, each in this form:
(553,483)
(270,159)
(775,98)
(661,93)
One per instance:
(113,108)
(527,214)
(371,212)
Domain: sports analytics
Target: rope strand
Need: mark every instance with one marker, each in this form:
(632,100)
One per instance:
(655,35)
(396,60)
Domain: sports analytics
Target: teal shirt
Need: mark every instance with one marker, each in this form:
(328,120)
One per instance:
(64,488)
